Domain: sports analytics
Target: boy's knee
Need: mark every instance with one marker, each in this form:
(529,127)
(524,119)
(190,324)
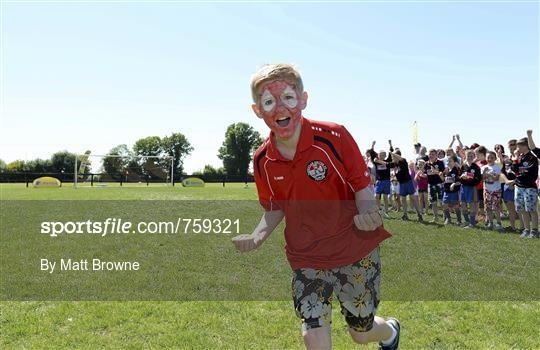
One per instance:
(359,337)
(317,338)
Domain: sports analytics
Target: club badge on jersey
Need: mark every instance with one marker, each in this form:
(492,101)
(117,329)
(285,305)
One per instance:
(317,170)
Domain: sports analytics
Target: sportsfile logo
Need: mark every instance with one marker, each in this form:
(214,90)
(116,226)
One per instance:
(121,226)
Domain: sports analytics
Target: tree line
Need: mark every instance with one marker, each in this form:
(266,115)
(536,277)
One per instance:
(236,152)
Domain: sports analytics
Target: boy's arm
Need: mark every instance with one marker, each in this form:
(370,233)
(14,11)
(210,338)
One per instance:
(398,157)
(269,221)
(459,141)
(530,139)
(452,143)
(368,218)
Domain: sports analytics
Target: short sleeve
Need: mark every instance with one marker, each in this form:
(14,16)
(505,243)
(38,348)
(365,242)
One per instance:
(261,181)
(357,173)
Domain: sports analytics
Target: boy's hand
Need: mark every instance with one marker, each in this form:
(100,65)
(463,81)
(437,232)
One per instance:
(368,221)
(457,137)
(529,132)
(245,243)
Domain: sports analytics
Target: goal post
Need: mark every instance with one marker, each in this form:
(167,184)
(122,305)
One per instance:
(122,170)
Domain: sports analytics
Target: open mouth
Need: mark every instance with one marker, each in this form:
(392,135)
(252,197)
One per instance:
(283,122)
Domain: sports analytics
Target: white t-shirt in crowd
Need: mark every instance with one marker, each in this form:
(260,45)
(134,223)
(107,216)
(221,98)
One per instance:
(490,185)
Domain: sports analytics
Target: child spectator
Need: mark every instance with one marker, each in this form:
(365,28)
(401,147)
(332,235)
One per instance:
(406,187)
(470,177)
(382,178)
(422,185)
(396,200)
(525,165)
(450,176)
(509,178)
(480,153)
(432,169)
(491,173)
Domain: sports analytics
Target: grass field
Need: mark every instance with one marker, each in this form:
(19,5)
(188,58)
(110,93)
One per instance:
(451,288)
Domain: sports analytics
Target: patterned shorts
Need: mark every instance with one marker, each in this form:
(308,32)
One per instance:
(492,200)
(526,199)
(356,286)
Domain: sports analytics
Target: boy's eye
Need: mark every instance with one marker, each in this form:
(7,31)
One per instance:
(289,97)
(268,101)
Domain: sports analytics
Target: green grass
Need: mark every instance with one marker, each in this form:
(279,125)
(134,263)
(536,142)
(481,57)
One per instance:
(424,267)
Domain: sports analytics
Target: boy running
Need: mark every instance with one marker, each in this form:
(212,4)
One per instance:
(313,174)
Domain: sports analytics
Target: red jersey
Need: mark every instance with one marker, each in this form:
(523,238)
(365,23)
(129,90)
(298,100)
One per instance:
(316,192)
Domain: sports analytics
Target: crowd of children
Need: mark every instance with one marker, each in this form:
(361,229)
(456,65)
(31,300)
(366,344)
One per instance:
(471,182)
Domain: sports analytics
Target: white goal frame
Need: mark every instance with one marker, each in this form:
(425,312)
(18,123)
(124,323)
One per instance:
(103,156)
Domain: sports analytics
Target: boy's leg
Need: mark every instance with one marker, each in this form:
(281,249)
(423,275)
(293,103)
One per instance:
(404,203)
(531,202)
(473,205)
(385,199)
(312,296)
(358,295)
(465,212)
(511,214)
(519,200)
(458,212)
(416,205)
(318,338)
(433,195)
(446,213)
(381,331)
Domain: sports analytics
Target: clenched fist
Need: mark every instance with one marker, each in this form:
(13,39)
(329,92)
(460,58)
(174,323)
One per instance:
(245,243)
(368,221)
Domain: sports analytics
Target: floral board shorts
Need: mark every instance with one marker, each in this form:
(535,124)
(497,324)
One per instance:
(356,286)
(492,200)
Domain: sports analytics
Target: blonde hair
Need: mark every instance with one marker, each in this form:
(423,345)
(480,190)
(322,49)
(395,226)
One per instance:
(273,72)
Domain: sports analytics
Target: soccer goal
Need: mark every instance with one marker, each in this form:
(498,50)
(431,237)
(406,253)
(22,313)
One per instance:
(111,170)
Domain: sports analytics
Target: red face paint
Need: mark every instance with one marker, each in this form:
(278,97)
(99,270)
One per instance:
(280,105)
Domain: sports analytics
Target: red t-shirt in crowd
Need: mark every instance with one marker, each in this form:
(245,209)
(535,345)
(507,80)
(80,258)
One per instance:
(316,192)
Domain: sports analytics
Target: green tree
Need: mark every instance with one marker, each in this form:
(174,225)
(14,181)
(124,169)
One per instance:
(3,166)
(115,167)
(39,166)
(148,146)
(241,140)
(16,166)
(64,161)
(177,146)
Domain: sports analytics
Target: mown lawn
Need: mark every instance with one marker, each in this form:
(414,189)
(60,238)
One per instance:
(451,288)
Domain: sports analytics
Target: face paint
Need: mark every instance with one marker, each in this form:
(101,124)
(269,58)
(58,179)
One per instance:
(268,101)
(280,108)
(288,97)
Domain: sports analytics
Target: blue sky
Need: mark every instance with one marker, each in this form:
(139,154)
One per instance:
(92,76)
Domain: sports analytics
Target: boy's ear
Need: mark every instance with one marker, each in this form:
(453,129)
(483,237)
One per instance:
(304,99)
(256,110)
